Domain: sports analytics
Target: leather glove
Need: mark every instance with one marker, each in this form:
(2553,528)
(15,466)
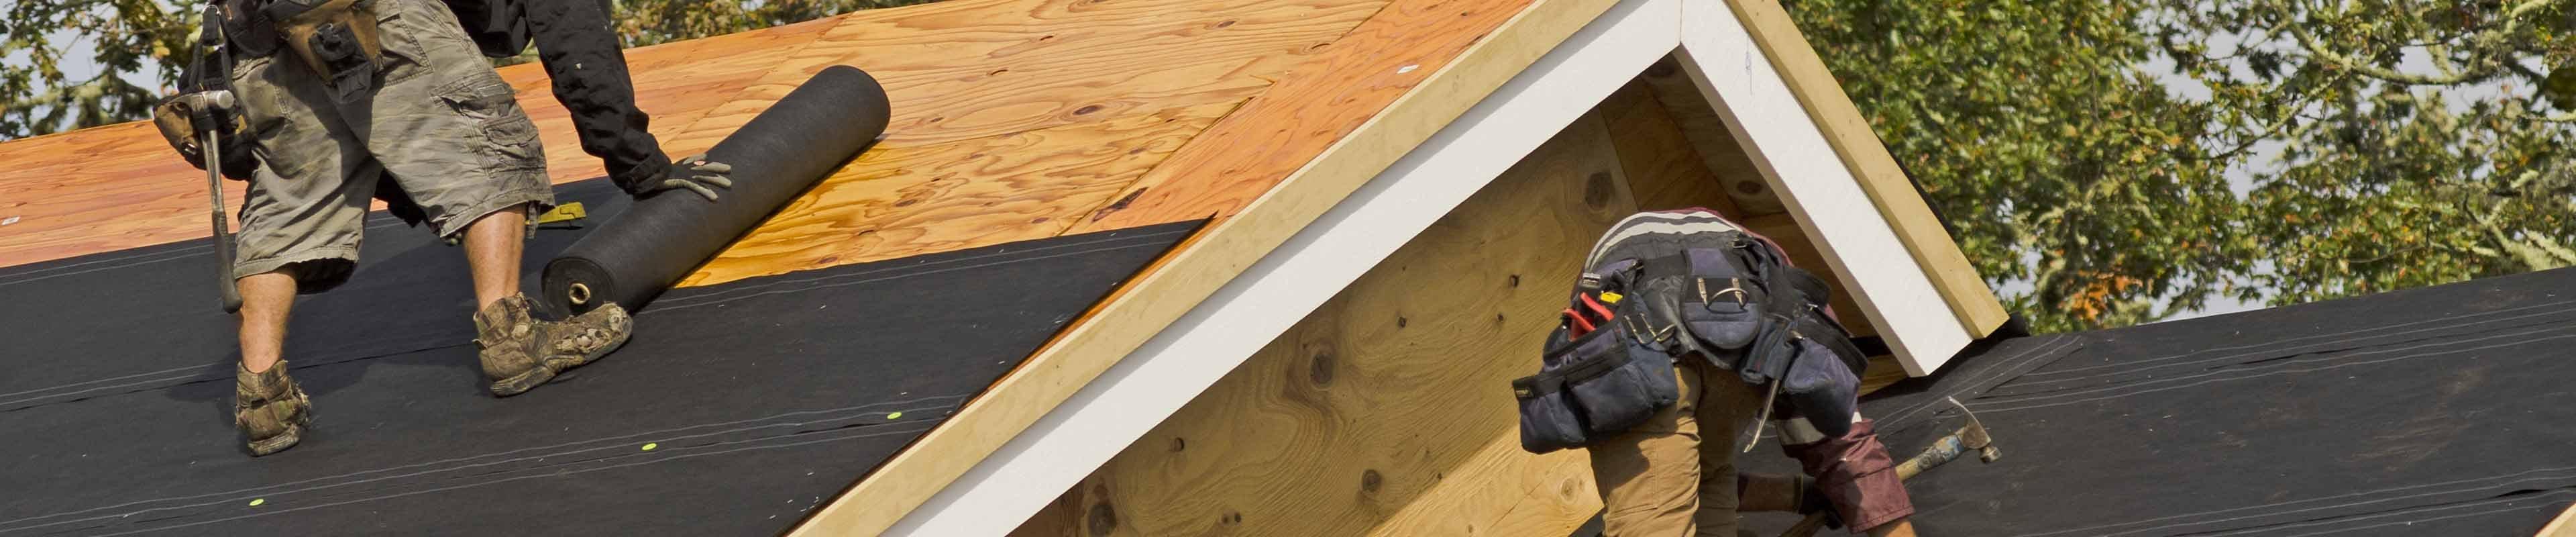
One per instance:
(695,173)
(177,127)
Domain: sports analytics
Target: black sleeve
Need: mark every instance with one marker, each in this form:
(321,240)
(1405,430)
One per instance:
(581,53)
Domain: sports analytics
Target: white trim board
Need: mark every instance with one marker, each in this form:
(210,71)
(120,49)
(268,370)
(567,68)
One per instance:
(1255,307)
(1218,334)
(1824,195)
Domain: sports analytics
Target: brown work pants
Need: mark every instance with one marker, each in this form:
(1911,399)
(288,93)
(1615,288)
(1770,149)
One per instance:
(1675,474)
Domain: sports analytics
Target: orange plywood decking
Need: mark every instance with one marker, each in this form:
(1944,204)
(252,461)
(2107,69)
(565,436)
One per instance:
(1013,120)
(119,186)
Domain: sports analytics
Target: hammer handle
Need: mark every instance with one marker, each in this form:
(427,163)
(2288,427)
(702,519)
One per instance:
(232,300)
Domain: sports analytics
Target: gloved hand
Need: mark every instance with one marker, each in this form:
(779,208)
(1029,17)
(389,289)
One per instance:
(695,173)
(174,119)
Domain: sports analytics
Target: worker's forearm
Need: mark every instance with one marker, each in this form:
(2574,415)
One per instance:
(582,54)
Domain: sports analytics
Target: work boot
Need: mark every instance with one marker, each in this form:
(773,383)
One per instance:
(270,408)
(520,353)
(588,336)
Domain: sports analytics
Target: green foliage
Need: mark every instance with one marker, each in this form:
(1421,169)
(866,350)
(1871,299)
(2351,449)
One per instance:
(124,37)
(2086,148)
(646,22)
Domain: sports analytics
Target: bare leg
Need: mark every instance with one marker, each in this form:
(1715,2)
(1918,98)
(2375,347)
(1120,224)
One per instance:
(265,299)
(1902,527)
(492,246)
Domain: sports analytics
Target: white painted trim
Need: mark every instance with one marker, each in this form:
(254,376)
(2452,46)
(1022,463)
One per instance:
(1826,197)
(1184,359)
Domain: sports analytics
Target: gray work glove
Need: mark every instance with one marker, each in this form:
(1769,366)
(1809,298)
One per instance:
(696,173)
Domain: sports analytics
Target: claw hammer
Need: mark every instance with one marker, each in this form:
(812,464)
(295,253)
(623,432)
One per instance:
(1971,436)
(203,109)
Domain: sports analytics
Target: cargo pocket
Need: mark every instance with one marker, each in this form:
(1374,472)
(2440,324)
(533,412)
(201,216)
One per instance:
(509,142)
(400,43)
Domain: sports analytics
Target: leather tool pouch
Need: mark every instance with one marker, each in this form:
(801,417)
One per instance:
(1593,387)
(334,38)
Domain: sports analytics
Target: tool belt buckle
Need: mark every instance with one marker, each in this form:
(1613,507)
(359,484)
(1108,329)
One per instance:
(336,39)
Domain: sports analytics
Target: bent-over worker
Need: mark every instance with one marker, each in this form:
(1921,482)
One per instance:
(346,100)
(1684,333)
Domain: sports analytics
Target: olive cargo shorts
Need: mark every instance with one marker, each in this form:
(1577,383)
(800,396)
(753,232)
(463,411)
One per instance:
(440,120)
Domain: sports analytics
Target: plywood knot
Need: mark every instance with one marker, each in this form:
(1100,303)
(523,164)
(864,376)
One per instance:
(1598,189)
(1178,444)
(1370,481)
(1319,368)
(1102,519)
(1230,518)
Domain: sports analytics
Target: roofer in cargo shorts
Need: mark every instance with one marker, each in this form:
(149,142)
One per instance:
(422,121)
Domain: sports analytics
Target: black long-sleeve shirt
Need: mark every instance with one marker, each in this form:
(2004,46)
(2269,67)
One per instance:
(581,53)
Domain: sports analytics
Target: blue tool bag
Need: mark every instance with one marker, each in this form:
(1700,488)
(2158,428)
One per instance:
(1595,385)
(1685,285)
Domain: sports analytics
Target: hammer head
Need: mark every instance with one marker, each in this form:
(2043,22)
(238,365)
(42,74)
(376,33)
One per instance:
(216,100)
(1973,435)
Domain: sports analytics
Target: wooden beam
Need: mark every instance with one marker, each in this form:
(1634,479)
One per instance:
(1860,149)
(1383,408)
(2564,526)
(1827,198)
(1222,252)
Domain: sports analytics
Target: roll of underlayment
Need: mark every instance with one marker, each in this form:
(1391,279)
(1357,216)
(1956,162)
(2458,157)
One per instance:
(776,157)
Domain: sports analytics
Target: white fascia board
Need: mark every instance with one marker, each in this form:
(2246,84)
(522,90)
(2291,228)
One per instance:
(1739,81)
(1146,387)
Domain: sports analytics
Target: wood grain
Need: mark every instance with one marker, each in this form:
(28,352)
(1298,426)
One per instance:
(1502,491)
(957,70)
(1216,255)
(1662,164)
(1372,405)
(1887,186)
(1313,107)
(1716,146)
(908,201)
(973,68)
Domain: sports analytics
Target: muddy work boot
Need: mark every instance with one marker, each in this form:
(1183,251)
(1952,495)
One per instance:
(270,408)
(520,352)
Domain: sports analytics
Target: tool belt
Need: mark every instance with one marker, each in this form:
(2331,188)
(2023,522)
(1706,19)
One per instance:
(336,40)
(1594,385)
(1727,298)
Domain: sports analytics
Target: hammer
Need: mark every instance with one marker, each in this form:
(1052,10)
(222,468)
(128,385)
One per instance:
(202,107)
(1945,449)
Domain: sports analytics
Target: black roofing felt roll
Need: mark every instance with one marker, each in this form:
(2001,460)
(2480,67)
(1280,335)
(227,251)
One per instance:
(642,252)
